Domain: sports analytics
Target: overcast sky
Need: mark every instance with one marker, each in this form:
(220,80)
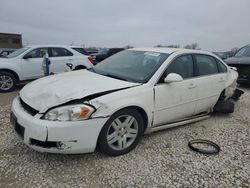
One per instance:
(214,24)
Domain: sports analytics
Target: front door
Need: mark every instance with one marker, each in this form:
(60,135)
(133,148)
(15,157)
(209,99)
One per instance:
(175,101)
(32,64)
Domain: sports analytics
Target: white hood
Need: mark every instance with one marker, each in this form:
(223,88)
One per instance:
(54,90)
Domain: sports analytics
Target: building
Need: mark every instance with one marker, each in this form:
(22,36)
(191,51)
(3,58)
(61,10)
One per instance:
(10,41)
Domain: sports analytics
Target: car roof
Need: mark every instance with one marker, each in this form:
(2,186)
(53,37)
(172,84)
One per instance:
(50,45)
(171,50)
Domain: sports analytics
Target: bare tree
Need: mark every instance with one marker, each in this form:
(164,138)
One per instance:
(194,46)
(128,46)
(168,46)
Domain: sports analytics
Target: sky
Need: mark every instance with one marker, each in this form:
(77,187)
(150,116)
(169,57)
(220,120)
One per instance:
(216,25)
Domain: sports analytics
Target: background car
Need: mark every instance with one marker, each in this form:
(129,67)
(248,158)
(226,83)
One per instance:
(241,61)
(83,51)
(114,103)
(5,53)
(105,53)
(221,55)
(26,64)
(92,51)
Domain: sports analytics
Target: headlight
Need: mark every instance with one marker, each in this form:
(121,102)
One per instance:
(70,113)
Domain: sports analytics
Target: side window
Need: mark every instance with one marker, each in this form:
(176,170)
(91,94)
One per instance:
(182,65)
(37,53)
(206,65)
(221,66)
(60,52)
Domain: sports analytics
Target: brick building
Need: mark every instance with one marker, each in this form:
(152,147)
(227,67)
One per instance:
(10,40)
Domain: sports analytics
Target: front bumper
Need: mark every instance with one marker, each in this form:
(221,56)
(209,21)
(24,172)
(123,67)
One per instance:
(55,136)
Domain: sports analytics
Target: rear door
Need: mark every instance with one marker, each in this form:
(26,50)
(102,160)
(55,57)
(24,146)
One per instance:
(211,79)
(32,64)
(59,58)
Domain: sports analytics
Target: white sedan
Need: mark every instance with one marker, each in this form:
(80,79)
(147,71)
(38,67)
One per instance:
(25,64)
(112,105)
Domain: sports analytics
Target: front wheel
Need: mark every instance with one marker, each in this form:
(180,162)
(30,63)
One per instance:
(7,81)
(121,133)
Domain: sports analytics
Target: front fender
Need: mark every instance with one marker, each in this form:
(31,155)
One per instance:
(140,96)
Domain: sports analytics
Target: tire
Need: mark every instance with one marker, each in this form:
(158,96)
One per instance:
(124,137)
(8,81)
(224,107)
(79,68)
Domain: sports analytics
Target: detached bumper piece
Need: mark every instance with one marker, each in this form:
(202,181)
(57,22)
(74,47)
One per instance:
(224,107)
(237,94)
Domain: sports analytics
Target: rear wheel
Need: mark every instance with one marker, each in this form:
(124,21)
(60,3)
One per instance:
(7,81)
(121,133)
(80,67)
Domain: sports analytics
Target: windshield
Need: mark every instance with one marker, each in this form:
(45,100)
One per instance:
(243,52)
(130,65)
(17,52)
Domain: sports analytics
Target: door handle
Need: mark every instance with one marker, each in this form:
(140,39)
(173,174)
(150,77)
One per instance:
(192,85)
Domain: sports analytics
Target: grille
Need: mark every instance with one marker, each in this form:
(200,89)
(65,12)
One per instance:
(28,108)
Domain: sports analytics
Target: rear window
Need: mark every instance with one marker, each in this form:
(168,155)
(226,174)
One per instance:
(81,50)
(60,52)
(206,65)
(243,52)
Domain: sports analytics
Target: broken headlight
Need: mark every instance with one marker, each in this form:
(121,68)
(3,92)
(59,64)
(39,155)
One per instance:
(70,113)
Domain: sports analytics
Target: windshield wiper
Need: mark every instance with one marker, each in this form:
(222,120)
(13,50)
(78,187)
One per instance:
(116,77)
(91,69)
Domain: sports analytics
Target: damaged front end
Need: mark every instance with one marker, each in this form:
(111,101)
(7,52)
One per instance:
(50,144)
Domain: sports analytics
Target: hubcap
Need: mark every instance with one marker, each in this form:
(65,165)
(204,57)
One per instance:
(6,82)
(122,132)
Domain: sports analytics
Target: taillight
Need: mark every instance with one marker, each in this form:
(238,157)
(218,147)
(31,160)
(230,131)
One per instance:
(91,59)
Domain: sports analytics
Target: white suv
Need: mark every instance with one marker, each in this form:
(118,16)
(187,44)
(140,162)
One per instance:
(25,64)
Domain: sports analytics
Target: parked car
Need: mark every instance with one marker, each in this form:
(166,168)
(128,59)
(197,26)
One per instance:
(113,104)
(105,53)
(221,55)
(84,52)
(92,50)
(25,64)
(5,53)
(80,50)
(241,61)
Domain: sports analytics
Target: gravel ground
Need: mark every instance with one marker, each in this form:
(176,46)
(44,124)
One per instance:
(162,159)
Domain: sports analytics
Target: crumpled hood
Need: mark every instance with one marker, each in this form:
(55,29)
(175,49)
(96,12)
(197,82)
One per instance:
(58,89)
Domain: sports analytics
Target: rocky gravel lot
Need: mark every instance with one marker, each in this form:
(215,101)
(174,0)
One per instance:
(162,159)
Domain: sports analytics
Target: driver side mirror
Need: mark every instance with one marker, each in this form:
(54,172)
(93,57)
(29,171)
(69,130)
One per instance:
(27,56)
(173,77)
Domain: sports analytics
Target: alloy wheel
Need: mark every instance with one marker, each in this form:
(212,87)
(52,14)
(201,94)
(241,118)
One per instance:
(6,82)
(122,132)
